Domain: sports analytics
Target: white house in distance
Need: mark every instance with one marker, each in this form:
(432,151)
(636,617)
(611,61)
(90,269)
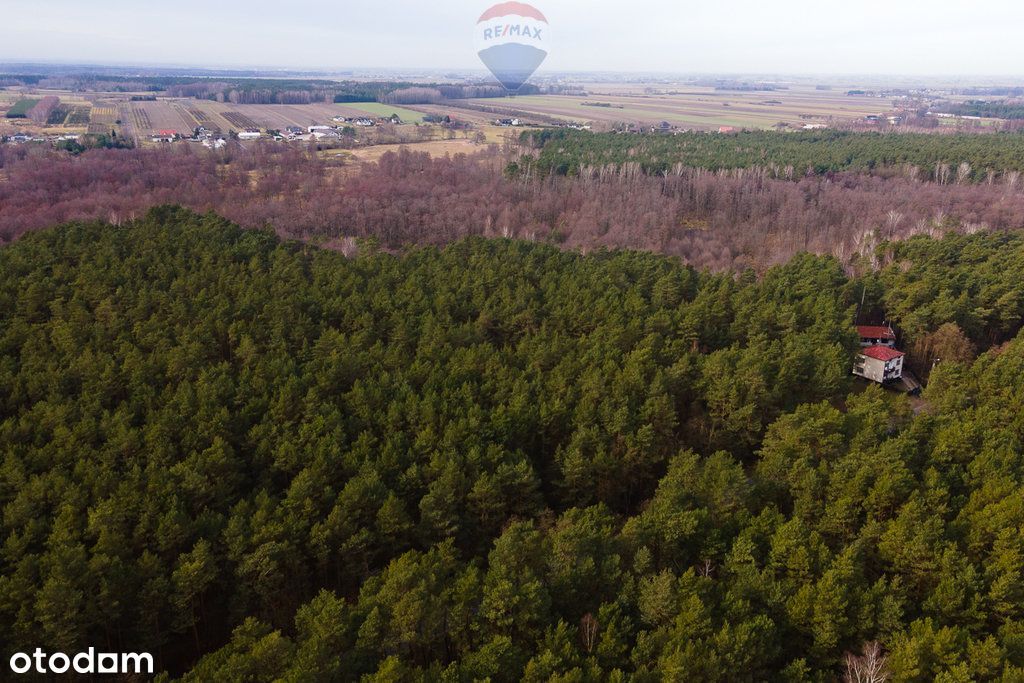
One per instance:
(879,364)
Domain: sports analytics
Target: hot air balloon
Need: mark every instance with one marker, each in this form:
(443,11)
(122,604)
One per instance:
(512,40)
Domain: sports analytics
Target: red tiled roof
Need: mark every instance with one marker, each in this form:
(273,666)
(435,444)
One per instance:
(875,332)
(882,353)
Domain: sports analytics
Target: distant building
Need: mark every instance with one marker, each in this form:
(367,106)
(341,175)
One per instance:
(314,129)
(726,129)
(876,335)
(880,364)
(250,135)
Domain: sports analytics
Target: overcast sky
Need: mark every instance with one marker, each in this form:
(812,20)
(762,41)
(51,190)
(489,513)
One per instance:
(914,37)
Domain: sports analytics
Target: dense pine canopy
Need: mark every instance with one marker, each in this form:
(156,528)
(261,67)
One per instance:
(264,461)
(942,158)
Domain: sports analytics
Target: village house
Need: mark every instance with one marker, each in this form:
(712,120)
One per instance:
(880,364)
(165,136)
(876,335)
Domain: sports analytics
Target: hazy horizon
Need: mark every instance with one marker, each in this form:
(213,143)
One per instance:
(653,36)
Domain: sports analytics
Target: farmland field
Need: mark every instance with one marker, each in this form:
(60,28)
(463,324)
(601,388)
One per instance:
(102,118)
(701,108)
(201,117)
(239,120)
(57,116)
(104,114)
(19,109)
(381,110)
(683,106)
(474,117)
(78,116)
(148,118)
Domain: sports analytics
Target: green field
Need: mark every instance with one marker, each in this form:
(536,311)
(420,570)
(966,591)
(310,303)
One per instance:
(378,109)
(20,109)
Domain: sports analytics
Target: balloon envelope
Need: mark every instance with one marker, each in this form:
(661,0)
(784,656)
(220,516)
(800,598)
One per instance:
(512,41)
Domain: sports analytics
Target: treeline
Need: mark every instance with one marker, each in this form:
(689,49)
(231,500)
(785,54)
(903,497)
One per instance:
(729,220)
(996,110)
(19,79)
(291,91)
(440,93)
(946,159)
(256,90)
(261,461)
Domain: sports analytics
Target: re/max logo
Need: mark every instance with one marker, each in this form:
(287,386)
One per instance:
(512,30)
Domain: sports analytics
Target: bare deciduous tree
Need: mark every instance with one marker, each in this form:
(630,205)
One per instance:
(871,666)
(722,220)
(588,632)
